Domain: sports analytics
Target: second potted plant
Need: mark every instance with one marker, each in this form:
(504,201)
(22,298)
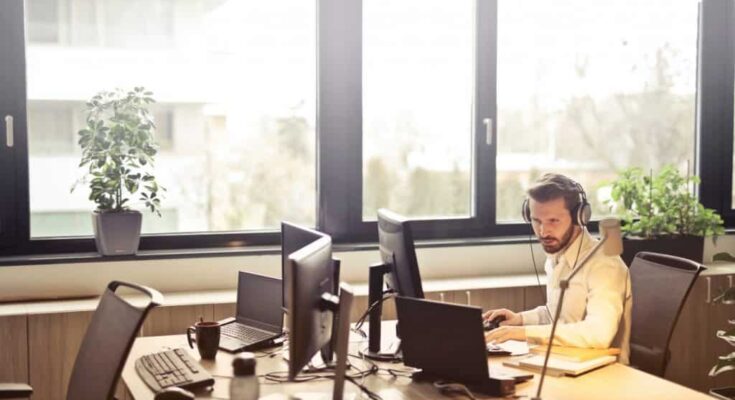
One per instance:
(118,150)
(661,214)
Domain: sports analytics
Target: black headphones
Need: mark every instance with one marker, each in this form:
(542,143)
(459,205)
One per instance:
(581,213)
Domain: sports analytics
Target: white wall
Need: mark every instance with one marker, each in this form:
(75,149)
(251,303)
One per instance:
(87,279)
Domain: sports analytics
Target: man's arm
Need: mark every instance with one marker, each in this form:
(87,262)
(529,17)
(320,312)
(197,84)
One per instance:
(536,316)
(608,282)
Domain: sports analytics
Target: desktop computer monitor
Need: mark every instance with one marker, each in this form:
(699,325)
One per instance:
(399,270)
(398,252)
(309,324)
(293,238)
(312,308)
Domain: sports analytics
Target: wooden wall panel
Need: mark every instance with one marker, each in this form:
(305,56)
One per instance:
(222,311)
(14,345)
(534,296)
(175,320)
(53,343)
(688,364)
(489,299)
(359,305)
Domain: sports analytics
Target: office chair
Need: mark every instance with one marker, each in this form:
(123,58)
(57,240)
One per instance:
(660,286)
(105,346)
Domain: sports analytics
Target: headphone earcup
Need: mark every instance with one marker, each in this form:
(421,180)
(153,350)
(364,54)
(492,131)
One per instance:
(584,213)
(526,211)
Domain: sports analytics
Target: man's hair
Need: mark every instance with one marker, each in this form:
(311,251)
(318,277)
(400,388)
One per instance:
(553,186)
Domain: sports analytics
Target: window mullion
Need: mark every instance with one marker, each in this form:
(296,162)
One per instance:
(715,105)
(339,116)
(14,210)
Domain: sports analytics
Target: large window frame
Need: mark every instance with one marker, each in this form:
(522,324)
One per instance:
(339,136)
(715,86)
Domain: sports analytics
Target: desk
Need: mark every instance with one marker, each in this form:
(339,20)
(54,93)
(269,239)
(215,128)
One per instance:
(615,382)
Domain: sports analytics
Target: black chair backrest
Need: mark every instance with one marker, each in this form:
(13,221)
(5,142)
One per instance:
(106,344)
(660,286)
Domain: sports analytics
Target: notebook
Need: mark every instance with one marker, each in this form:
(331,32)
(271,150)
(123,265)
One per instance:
(560,367)
(575,353)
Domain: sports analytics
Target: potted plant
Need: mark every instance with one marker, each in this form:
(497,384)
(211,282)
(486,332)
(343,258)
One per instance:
(118,150)
(661,213)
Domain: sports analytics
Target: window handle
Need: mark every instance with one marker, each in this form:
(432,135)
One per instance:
(488,131)
(9,130)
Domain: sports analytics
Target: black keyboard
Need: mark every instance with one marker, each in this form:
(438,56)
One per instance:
(245,333)
(172,368)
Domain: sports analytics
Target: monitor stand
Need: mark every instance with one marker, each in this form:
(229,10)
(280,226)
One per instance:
(342,307)
(375,296)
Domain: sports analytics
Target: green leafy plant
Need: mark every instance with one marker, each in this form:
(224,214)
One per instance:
(118,149)
(664,204)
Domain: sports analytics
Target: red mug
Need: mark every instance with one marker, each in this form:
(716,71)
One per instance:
(207,337)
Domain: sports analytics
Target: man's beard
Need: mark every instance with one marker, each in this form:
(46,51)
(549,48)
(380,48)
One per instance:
(558,245)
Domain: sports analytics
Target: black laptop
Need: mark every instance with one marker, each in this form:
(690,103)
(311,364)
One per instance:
(259,319)
(447,341)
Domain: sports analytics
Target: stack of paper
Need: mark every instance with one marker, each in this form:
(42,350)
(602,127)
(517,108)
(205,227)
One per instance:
(575,353)
(569,361)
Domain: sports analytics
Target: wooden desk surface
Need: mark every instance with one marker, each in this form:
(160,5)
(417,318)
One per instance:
(615,382)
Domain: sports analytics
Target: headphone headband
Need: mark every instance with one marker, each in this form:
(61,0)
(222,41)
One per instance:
(581,213)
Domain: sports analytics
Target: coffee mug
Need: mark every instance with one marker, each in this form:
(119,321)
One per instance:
(207,338)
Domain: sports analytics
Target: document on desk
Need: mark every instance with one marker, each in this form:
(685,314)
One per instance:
(515,347)
(559,367)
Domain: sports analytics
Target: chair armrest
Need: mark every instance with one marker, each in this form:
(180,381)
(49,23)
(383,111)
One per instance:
(14,390)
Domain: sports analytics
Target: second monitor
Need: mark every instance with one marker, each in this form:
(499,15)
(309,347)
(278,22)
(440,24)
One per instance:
(399,271)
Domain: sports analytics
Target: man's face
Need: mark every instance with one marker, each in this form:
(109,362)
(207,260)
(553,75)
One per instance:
(552,224)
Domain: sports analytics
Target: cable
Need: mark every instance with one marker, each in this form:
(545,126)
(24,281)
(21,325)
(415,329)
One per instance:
(386,295)
(533,259)
(453,387)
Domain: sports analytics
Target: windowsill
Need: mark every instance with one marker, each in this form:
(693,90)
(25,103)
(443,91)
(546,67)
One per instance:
(142,255)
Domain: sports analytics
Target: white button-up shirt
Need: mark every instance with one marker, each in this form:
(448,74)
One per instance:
(597,304)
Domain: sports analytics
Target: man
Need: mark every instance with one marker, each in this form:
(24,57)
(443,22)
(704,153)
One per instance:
(597,304)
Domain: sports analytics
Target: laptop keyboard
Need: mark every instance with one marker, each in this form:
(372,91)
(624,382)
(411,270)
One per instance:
(244,333)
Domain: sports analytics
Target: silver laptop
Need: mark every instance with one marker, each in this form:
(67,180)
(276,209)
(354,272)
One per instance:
(259,319)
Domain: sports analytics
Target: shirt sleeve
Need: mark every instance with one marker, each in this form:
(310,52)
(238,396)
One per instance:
(606,291)
(536,316)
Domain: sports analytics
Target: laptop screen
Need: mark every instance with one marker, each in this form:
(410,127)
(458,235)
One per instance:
(259,301)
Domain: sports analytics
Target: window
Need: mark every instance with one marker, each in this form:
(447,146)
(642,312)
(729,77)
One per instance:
(322,112)
(418,64)
(235,83)
(588,88)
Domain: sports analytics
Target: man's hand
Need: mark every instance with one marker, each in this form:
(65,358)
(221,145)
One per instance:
(511,318)
(504,333)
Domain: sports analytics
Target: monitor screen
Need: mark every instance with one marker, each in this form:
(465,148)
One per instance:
(293,238)
(309,325)
(397,250)
(259,301)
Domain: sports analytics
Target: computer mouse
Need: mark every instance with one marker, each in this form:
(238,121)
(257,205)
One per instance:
(174,393)
(489,325)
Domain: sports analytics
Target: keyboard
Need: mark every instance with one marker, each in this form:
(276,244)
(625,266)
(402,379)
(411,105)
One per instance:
(245,333)
(172,368)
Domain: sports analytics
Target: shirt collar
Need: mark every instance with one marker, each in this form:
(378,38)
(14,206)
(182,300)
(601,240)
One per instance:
(569,255)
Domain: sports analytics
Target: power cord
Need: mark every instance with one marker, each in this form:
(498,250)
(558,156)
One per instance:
(328,373)
(535,269)
(386,295)
(446,387)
